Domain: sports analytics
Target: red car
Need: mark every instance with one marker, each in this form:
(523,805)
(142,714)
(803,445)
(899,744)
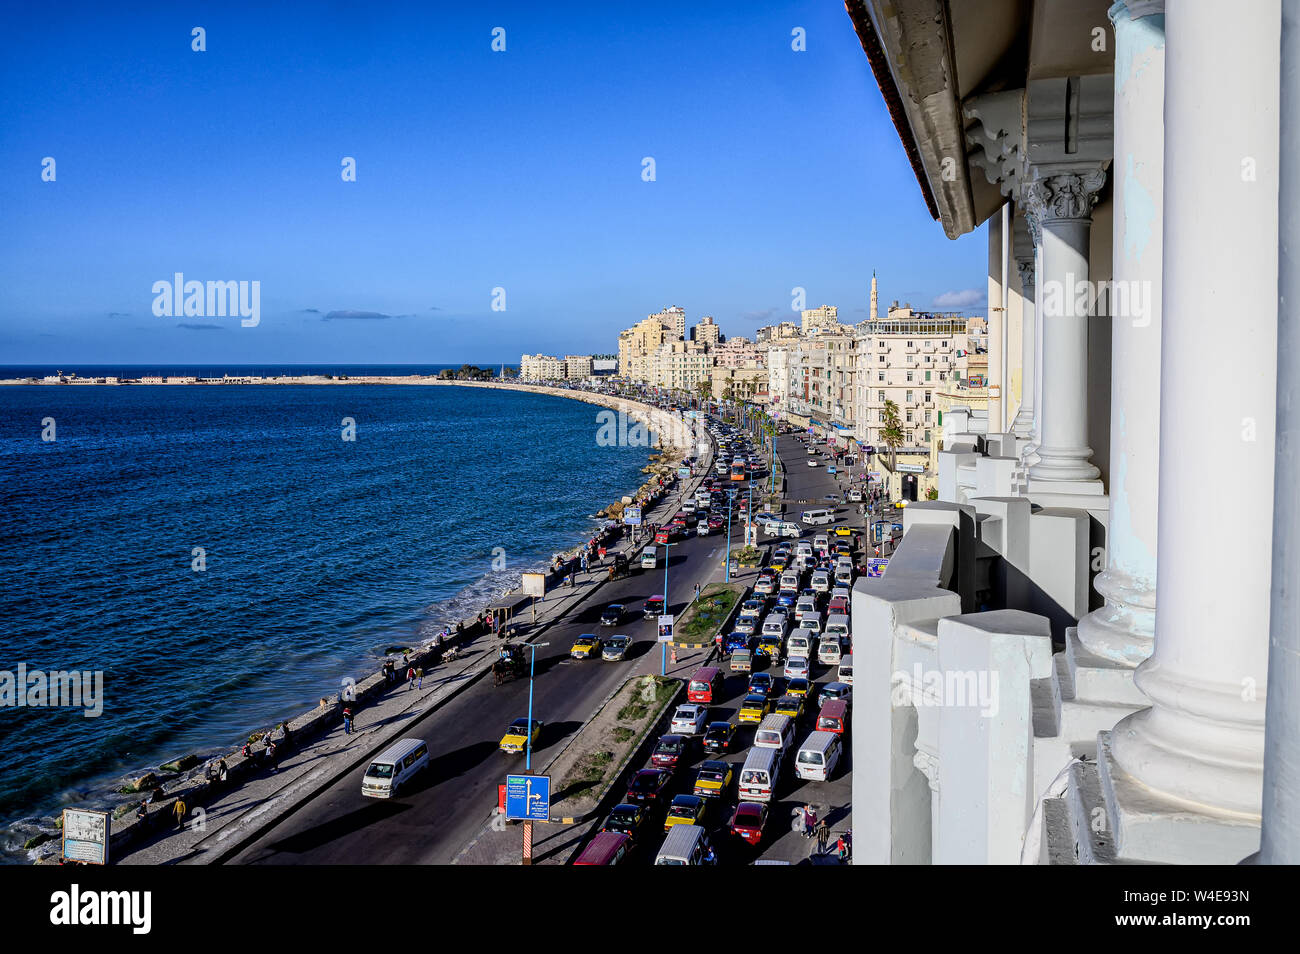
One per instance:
(668,751)
(748,821)
(839,606)
(647,785)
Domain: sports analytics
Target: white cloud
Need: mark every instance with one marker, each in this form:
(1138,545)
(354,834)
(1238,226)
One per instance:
(968,298)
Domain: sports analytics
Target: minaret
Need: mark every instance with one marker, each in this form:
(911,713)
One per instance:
(873,295)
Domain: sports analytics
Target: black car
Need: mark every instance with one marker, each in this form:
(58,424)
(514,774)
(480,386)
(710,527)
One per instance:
(613,615)
(654,607)
(648,784)
(627,818)
(718,736)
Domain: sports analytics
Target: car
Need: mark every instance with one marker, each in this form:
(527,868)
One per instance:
(753,607)
(821,581)
(812,462)
(689,719)
(838,606)
(747,821)
(668,751)
(763,518)
(855,496)
(846,531)
(832,498)
(796,667)
(615,648)
(746,625)
(713,778)
(685,810)
(648,785)
(753,708)
(716,523)
(584,647)
(612,615)
(807,606)
(839,590)
(765,585)
(627,818)
(835,690)
(718,737)
(798,687)
(738,640)
(761,684)
(702,529)
(785,600)
(517,736)
(789,705)
(654,607)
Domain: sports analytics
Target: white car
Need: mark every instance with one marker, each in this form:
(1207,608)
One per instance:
(821,581)
(796,667)
(855,496)
(689,720)
(702,528)
(813,463)
(841,590)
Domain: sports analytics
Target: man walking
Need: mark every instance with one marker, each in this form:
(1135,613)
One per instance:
(178,812)
(410,678)
(419,678)
(347,721)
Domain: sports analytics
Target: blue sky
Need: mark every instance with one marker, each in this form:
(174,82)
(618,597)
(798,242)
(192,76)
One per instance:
(475,170)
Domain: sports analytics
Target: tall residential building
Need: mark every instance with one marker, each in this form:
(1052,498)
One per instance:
(778,375)
(823,318)
(639,343)
(706,332)
(907,358)
(785,331)
(680,365)
(674,318)
(577,367)
(737,353)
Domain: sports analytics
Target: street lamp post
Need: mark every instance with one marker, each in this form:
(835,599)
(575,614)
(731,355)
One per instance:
(663,647)
(731,500)
(532,668)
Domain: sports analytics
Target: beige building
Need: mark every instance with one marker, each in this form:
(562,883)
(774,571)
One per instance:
(577,367)
(680,365)
(638,344)
(740,384)
(738,353)
(541,367)
(706,332)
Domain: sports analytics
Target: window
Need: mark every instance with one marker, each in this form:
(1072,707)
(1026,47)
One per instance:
(927,418)
(911,344)
(909,396)
(909,377)
(881,417)
(927,433)
(881,377)
(882,359)
(880,395)
(927,397)
(927,377)
(909,415)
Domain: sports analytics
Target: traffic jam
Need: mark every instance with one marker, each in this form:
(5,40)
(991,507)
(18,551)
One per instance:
(765,721)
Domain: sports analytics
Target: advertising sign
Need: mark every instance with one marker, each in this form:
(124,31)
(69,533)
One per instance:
(876,566)
(534,584)
(85,836)
(665,629)
(632,516)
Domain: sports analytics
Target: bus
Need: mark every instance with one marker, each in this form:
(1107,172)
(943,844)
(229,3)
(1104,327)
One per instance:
(737,469)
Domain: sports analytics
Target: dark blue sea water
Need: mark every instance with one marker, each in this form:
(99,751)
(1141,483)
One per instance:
(319,552)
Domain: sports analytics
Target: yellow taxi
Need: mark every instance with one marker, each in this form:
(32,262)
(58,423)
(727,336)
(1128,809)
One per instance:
(685,810)
(713,779)
(791,706)
(798,686)
(900,504)
(584,647)
(842,531)
(517,735)
(777,564)
(754,708)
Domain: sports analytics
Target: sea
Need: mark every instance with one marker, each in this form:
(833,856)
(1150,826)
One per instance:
(224,556)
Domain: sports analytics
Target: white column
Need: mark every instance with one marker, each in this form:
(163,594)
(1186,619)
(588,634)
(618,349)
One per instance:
(1122,631)
(1280,833)
(1024,421)
(995,323)
(1202,740)
(1062,199)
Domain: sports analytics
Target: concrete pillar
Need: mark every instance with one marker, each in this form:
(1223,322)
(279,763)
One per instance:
(1123,630)
(1202,740)
(1280,837)
(1061,198)
(996,322)
(1024,422)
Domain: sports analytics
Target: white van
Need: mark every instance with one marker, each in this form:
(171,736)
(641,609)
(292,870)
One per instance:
(822,542)
(845,673)
(817,518)
(775,732)
(811,624)
(829,651)
(758,776)
(800,643)
(390,771)
(685,845)
(821,581)
(837,626)
(818,756)
(790,580)
(844,575)
(774,624)
(650,558)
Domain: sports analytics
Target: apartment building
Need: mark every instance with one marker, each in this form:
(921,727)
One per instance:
(541,367)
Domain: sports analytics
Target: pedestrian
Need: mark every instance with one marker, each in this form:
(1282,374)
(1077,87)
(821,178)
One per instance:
(347,721)
(823,836)
(406,659)
(142,812)
(809,821)
(410,678)
(697,591)
(286,736)
(178,812)
(419,678)
(841,848)
(223,773)
(270,752)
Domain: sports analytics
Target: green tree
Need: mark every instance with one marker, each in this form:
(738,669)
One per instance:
(892,433)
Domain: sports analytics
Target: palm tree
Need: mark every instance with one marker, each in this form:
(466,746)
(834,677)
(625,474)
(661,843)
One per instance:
(892,433)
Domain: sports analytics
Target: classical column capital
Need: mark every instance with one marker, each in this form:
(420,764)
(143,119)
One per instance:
(1054,196)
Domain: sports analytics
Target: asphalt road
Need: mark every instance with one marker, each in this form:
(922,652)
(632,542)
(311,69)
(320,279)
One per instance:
(442,811)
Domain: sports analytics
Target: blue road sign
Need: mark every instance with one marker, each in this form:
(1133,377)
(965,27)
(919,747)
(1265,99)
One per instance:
(632,516)
(528,797)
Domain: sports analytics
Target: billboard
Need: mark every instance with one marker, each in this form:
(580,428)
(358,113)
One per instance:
(534,584)
(85,836)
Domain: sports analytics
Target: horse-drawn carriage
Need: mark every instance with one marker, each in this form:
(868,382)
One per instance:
(510,664)
(620,567)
